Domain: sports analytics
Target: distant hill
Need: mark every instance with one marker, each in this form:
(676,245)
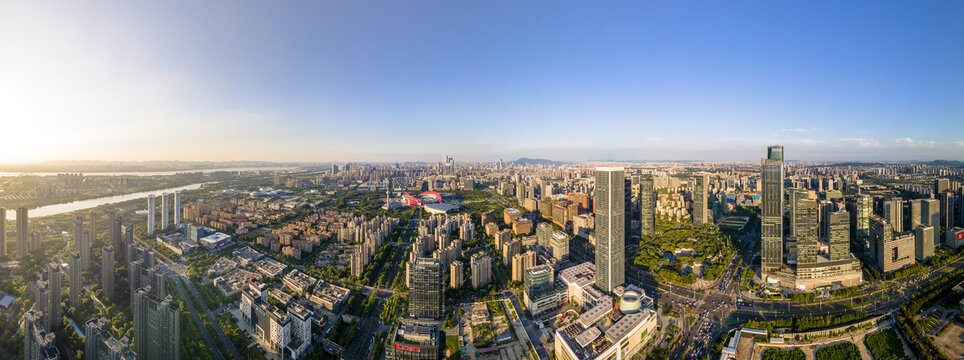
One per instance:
(528,161)
(945,163)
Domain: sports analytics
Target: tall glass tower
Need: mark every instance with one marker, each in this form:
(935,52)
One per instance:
(771,235)
(610,227)
(427,291)
(647,206)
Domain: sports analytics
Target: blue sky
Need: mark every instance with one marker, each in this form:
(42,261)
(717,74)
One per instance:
(393,81)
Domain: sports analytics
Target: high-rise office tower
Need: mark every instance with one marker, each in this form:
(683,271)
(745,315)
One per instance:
(75,278)
(55,281)
(923,242)
(3,232)
(647,206)
(427,289)
(157,326)
(107,271)
(771,234)
(100,345)
(941,185)
(795,194)
(824,209)
(699,200)
(150,214)
(177,208)
(117,237)
(164,210)
(947,209)
(839,235)
(21,232)
(930,211)
(610,227)
(807,228)
(629,212)
(960,208)
(38,343)
(915,214)
(863,208)
(894,213)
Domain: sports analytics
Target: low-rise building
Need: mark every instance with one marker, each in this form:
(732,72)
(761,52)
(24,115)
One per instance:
(329,296)
(298,281)
(414,340)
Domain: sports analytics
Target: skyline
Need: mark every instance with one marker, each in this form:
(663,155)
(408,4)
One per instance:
(364,82)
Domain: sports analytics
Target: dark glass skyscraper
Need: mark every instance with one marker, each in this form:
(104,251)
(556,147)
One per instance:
(647,206)
(806,223)
(839,235)
(427,289)
(699,200)
(771,234)
(610,227)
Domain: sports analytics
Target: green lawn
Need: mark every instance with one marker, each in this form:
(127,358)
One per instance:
(885,345)
(842,351)
(452,343)
(776,354)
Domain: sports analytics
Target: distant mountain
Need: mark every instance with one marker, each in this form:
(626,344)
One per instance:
(528,161)
(954,163)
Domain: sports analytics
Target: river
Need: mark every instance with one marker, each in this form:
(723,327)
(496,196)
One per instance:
(95,202)
(150,173)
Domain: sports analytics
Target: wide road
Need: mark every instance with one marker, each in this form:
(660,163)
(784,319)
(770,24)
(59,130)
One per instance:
(213,320)
(197,321)
(362,344)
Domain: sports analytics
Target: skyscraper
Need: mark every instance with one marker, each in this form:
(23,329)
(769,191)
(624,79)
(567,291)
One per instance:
(941,185)
(90,238)
(894,213)
(75,278)
(150,215)
(863,207)
(157,326)
(806,230)
(647,205)
(177,208)
(947,209)
(21,232)
(107,271)
(610,227)
(164,210)
(427,289)
(55,281)
(38,344)
(930,210)
(699,200)
(771,233)
(923,242)
(117,237)
(915,214)
(839,236)
(100,345)
(42,300)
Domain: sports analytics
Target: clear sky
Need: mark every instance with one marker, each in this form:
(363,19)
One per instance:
(480,80)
